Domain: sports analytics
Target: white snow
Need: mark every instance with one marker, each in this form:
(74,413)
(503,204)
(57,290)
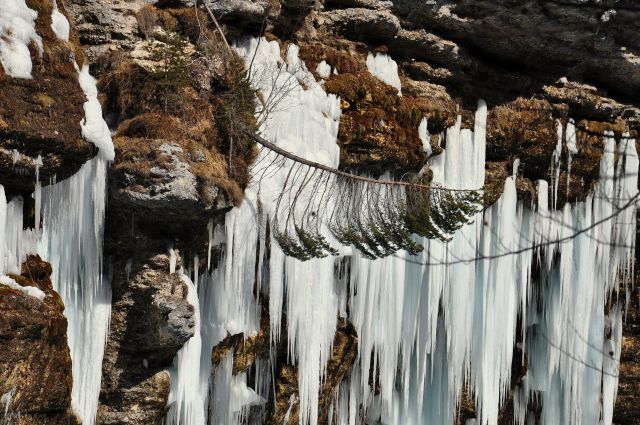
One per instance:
(94,128)
(31,291)
(17,31)
(59,23)
(385,69)
(607,15)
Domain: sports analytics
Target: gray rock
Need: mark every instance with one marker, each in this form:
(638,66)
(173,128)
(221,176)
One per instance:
(105,25)
(150,321)
(361,24)
(243,12)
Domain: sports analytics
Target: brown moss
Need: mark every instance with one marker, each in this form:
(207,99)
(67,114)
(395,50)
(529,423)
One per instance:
(34,347)
(152,125)
(246,350)
(524,129)
(494,177)
(191,22)
(42,115)
(341,56)
(378,129)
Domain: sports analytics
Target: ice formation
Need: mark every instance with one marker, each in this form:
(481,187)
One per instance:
(72,213)
(70,239)
(323,70)
(185,400)
(17,31)
(425,138)
(429,326)
(94,128)
(385,69)
(433,325)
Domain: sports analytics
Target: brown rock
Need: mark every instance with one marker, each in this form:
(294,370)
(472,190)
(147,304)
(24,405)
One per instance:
(627,407)
(379,129)
(40,117)
(35,365)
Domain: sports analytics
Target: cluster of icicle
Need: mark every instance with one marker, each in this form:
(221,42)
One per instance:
(69,217)
(70,238)
(431,325)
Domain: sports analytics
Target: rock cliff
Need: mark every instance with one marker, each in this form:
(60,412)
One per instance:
(179,109)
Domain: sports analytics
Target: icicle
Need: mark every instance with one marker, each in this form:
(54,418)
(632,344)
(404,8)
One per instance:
(431,325)
(210,230)
(3,227)
(72,233)
(6,400)
(186,404)
(572,148)
(555,165)
(38,194)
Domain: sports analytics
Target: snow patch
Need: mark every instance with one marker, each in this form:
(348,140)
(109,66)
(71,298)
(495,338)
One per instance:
(323,69)
(59,23)
(31,291)
(606,16)
(17,31)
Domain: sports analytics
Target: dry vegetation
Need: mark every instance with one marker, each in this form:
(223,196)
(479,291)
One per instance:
(187,89)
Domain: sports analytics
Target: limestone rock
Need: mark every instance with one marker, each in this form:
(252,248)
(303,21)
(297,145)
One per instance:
(105,26)
(360,24)
(150,321)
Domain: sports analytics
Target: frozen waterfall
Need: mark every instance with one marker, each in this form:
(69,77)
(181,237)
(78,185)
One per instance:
(437,325)
(70,238)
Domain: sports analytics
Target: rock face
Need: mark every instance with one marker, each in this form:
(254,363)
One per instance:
(35,365)
(105,26)
(343,355)
(175,99)
(150,321)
